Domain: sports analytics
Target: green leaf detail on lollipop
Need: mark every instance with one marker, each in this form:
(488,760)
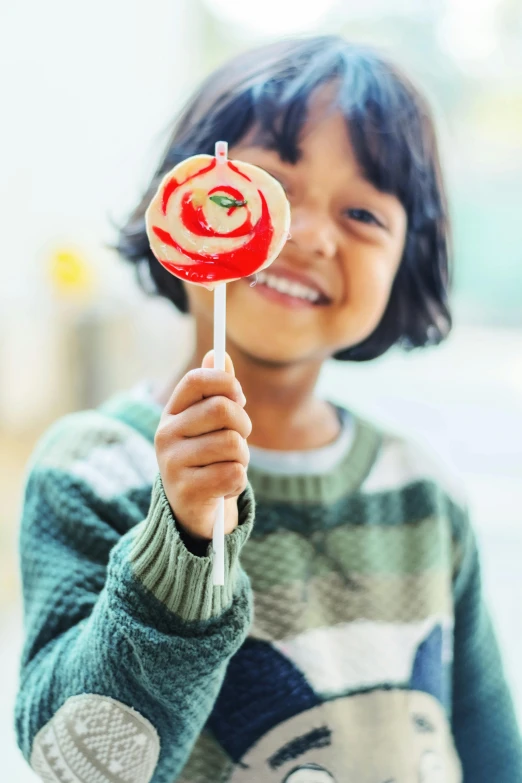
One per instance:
(227,202)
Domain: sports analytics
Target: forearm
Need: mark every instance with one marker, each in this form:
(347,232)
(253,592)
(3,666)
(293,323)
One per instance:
(158,640)
(170,673)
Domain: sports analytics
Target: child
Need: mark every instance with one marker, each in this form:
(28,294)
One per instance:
(351,641)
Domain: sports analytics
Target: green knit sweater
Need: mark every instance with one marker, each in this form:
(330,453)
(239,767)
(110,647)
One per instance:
(350,642)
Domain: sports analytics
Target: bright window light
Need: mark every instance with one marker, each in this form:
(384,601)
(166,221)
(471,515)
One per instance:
(271,17)
(467,30)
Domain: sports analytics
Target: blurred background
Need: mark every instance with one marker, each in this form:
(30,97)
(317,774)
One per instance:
(89,93)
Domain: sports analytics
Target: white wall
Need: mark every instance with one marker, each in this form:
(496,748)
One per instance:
(88,89)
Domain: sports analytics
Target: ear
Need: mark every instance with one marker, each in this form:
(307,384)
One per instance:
(262,689)
(428,666)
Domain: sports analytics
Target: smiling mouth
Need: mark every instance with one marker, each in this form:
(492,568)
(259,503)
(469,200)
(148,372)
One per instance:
(286,291)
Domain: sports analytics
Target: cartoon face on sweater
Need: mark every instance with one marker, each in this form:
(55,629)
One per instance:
(381,736)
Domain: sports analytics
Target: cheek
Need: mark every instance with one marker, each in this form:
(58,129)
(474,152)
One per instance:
(369,280)
(201,300)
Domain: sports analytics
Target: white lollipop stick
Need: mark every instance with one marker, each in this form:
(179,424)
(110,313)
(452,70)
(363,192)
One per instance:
(220,319)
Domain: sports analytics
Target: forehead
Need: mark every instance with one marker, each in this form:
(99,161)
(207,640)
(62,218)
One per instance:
(318,114)
(322,138)
(377,126)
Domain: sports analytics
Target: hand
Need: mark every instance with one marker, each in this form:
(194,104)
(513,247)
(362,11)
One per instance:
(201,448)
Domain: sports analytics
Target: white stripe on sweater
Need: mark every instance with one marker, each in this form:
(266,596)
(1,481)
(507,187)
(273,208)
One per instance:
(111,470)
(107,454)
(361,654)
(402,462)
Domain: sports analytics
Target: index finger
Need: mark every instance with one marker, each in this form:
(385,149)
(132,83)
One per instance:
(199,384)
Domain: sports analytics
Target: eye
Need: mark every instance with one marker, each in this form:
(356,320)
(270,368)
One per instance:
(422,724)
(363,216)
(309,773)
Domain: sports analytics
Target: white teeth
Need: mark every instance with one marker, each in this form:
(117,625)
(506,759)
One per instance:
(289,287)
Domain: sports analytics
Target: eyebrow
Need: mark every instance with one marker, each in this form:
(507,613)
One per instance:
(317,738)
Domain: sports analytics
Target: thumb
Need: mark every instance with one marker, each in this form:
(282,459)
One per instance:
(208,361)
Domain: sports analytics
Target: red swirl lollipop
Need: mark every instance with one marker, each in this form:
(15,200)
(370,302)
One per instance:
(215,220)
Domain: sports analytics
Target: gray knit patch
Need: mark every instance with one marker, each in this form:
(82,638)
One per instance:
(95,739)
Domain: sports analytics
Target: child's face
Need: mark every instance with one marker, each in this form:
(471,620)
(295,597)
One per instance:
(346,242)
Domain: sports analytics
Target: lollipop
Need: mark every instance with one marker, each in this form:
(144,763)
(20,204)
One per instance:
(213,221)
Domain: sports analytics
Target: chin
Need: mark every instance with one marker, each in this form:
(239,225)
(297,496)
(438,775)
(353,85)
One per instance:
(285,347)
(273,351)
(265,354)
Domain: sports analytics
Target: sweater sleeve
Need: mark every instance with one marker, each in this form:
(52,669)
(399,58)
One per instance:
(484,722)
(126,639)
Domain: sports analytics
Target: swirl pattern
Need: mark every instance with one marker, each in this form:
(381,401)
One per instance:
(212,222)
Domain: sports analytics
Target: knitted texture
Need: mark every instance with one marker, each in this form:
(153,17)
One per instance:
(178,578)
(369,656)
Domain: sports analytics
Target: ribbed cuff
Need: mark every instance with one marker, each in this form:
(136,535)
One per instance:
(179,579)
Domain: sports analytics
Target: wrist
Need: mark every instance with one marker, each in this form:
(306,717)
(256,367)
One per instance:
(178,578)
(195,545)
(199,545)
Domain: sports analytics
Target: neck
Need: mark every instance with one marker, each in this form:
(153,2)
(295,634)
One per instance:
(281,404)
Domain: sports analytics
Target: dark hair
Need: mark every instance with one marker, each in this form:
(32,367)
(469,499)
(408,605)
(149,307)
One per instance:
(393,136)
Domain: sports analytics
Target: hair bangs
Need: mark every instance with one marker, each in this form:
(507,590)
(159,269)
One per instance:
(383,113)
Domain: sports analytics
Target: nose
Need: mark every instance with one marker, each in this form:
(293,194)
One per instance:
(314,233)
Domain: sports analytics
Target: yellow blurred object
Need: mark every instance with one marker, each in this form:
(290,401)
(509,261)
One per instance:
(71,274)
